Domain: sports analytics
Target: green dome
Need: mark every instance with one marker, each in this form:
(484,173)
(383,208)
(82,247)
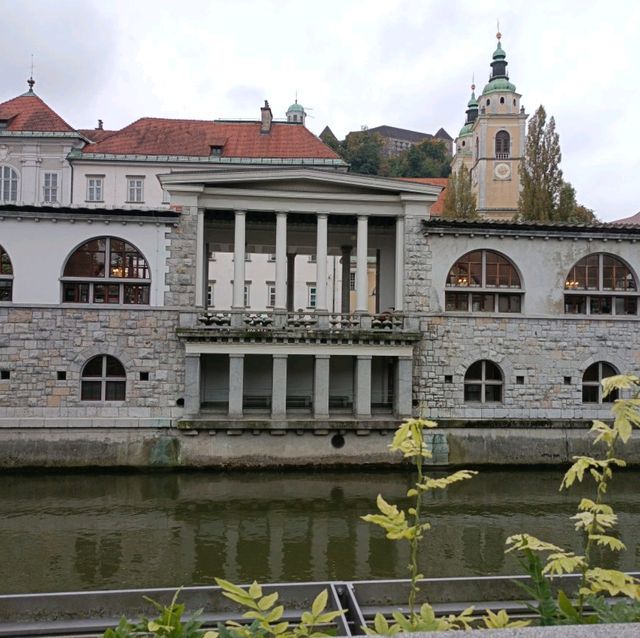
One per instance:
(499,84)
(473,103)
(499,53)
(466,130)
(296,107)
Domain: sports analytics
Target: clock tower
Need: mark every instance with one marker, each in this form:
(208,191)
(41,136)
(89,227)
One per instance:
(491,144)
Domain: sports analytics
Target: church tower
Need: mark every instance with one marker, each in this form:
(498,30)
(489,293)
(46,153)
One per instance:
(491,143)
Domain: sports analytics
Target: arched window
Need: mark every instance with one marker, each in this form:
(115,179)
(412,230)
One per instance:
(503,144)
(106,270)
(591,282)
(8,184)
(103,379)
(484,271)
(592,383)
(6,276)
(483,383)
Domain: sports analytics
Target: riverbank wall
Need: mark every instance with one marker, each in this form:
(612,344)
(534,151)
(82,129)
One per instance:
(238,448)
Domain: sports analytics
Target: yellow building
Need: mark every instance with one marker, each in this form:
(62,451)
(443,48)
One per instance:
(491,143)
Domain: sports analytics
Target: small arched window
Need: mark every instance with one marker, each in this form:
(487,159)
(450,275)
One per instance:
(592,383)
(484,271)
(483,383)
(103,379)
(591,282)
(106,270)
(8,184)
(477,148)
(503,145)
(488,102)
(501,100)
(6,276)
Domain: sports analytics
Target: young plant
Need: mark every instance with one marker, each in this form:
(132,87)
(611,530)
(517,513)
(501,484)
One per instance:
(596,520)
(267,617)
(409,525)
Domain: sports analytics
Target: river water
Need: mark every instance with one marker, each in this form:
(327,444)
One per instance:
(97,531)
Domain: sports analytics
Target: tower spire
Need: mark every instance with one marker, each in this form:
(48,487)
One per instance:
(31,81)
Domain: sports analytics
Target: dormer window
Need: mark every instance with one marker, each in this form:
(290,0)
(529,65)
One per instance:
(4,124)
(216,150)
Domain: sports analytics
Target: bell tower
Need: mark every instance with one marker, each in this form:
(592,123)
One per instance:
(492,142)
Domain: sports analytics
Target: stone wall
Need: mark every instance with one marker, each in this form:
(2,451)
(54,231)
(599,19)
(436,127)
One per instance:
(38,342)
(541,351)
(180,273)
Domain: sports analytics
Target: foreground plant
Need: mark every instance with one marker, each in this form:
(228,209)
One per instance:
(266,616)
(410,526)
(596,520)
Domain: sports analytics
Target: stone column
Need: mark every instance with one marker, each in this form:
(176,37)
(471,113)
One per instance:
(321,263)
(236,383)
(192,383)
(399,278)
(239,238)
(321,386)
(363,386)
(281,261)
(201,261)
(345,306)
(362,286)
(291,281)
(403,386)
(279,386)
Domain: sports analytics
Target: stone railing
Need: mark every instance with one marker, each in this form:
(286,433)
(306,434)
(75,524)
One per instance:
(305,320)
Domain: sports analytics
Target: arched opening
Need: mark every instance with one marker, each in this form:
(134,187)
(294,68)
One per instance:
(503,145)
(483,383)
(592,383)
(103,378)
(6,276)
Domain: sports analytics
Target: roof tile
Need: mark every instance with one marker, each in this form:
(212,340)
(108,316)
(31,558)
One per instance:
(28,112)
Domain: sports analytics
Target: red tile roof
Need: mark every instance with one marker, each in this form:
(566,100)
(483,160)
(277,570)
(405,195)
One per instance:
(95,134)
(634,219)
(28,112)
(194,138)
(438,207)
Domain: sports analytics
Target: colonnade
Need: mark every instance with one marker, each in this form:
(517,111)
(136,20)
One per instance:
(240,220)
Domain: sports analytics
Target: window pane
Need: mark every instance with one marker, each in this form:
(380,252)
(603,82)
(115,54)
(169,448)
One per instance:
(483,302)
(600,305)
(93,367)
(91,391)
(140,294)
(591,373)
(75,293)
(115,391)
(473,392)
(474,371)
(575,305)
(493,393)
(113,293)
(509,303)
(98,293)
(590,394)
(87,261)
(608,370)
(5,263)
(626,305)
(114,367)
(492,371)
(5,290)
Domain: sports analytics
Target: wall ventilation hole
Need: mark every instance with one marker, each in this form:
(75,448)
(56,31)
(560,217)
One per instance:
(337,440)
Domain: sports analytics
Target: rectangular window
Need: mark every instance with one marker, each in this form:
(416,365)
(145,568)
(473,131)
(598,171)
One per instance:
(456,301)
(509,303)
(95,189)
(575,305)
(50,192)
(135,189)
(210,297)
(600,305)
(247,298)
(352,281)
(311,296)
(483,302)
(626,305)
(271,294)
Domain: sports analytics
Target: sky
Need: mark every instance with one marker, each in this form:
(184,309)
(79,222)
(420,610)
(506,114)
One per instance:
(404,63)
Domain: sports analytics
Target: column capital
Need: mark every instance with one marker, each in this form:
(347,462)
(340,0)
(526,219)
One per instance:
(322,356)
(240,212)
(278,355)
(322,215)
(364,357)
(282,213)
(236,355)
(363,218)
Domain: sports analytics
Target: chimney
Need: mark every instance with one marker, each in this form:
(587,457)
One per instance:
(266,117)
(99,125)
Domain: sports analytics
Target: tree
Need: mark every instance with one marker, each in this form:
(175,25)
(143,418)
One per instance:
(363,150)
(545,196)
(427,159)
(541,176)
(459,200)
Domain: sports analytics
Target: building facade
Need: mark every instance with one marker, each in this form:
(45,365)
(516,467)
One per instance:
(118,345)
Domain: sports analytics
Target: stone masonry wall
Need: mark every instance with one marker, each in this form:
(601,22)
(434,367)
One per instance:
(36,343)
(540,350)
(417,272)
(180,273)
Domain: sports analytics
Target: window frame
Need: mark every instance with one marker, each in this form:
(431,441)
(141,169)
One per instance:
(463,295)
(135,189)
(590,384)
(6,278)
(312,295)
(585,293)
(500,139)
(112,289)
(483,382)
(271,294)
(50,192)
(95,189)
(9,180)
(105,380)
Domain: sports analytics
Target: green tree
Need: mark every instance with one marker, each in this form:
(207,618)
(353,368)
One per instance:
(427,159)
(459,200)
(545,196)
(363,150)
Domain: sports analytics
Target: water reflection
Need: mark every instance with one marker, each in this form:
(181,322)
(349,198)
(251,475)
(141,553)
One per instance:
(64,532)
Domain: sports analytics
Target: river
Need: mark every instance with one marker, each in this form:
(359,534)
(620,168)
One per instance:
(76,531)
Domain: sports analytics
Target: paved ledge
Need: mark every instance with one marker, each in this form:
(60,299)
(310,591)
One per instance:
(627,630)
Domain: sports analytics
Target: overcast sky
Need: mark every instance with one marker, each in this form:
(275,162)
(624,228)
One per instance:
(405,63)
